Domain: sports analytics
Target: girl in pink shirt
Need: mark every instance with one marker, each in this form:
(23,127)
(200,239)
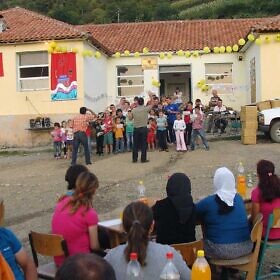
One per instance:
(75,218)
(266,196)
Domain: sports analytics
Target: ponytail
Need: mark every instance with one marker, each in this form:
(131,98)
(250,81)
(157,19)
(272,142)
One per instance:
(137,221)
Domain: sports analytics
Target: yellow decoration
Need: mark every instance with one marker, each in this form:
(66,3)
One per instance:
(228,49)
(195,54)
(180,53)
(50,50)
(161,55)
(206,50)
(126,53)
(90,53)
(241,42)
(136,54)
(97,54)
(235,48)
(117,54)
(216,49)
(75,50)
(258,41)
(203,82)
(84,53)
(204,87)
(145,50)
(52,44)
(155,83)
(198,84)
(63,49)
(222,49)
(187,54)
(57,49)
(267,39)
(169,55)
(251,37)
(277,37)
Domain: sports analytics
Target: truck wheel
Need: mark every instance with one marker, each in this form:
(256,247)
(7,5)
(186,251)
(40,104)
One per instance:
(275,132)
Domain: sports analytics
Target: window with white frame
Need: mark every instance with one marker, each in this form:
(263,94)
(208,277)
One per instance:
(130,80)
(33,71)
(219,76)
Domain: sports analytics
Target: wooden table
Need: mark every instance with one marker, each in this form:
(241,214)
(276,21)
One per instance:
(115,229)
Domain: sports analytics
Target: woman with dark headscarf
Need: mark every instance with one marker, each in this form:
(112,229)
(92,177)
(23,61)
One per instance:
(175,215)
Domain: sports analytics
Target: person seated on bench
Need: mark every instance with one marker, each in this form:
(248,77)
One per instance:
(220,120)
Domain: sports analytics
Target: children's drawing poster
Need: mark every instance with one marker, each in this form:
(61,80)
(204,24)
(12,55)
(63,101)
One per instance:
(63,76)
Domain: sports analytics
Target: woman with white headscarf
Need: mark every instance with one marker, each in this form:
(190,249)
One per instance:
(223,215)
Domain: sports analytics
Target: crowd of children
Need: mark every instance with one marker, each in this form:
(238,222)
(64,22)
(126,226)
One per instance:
(112,130)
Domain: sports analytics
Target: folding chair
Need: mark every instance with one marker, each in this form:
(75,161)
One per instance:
(273,222)
(51,245)
(188,250)
(246,263)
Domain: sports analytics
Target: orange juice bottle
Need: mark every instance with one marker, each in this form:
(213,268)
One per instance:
(200,269)
(241,180)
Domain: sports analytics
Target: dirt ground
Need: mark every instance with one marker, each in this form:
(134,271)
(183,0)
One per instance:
(30,182)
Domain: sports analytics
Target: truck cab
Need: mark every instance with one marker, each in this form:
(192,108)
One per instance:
(269,123)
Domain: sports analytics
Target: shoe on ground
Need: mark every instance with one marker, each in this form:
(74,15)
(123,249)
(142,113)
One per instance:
(134,160)
(89,163)
(166,150)
(143,161)
(207,148)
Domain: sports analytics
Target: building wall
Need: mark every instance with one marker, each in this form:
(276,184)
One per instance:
(234,98)
(270,69)
(95,81)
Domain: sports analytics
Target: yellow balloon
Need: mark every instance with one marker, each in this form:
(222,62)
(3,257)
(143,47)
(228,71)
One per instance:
(222,49)
(126,53)
(84,53)
(277,37)
(52,44)
(180,53)
(63,49)
(50,50)
(206,49)
(235,48)
(251,37)
(97,54)
(228,49)
(241,42)
(58,49)
(161,55)
(258,41)
(117,54)
(136,54)
(195,53)
(202,82)
(204,88)
(169,55)
(90,53)
(187,54)
(75,50)
(267,39)
(216,49)
(198,84)
(158,84)
(145,50)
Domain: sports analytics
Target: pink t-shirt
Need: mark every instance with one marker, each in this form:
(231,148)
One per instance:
(73,227)
(266,208)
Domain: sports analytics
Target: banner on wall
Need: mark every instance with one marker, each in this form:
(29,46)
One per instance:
(1,66)
(63,76)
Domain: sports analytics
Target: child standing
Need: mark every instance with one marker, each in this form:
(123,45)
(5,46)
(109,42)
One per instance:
(99,128)
(197,128)
(187,118)
(161,131)
(129,123)
(63,138)
(179,127)
(108,132)
(151,137)
(118,130)
(57,138)
(69,138)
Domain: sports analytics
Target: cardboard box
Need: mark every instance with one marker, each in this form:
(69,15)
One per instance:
(249,109)
(249,140)
(249,124)
(275,103)
(264,105)
(248,132)
(249,113)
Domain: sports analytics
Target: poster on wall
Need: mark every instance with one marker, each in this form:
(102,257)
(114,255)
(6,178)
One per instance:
(63,76)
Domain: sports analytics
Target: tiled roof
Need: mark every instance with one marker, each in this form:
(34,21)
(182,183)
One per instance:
(24,26)
(171,35)
(270,25)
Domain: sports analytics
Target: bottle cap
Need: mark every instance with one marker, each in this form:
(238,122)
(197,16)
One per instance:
(169,255)
(133,256)
(200,253)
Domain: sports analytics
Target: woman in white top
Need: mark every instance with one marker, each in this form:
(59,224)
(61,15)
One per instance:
(179,127)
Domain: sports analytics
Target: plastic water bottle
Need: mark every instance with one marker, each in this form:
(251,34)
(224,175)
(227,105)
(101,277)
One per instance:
(170,272)
(133,270)
(241,180)
(250,183)
(200,269)
(141,192)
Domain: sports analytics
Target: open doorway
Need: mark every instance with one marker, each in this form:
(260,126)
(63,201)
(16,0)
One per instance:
(175,76)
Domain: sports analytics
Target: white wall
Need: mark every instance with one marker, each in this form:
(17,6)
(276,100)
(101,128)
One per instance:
(95,81)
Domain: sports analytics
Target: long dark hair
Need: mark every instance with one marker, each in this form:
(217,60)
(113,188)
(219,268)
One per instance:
(269,182)
(137,221)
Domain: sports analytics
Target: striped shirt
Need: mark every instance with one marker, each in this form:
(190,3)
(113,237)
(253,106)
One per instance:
(81,122)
